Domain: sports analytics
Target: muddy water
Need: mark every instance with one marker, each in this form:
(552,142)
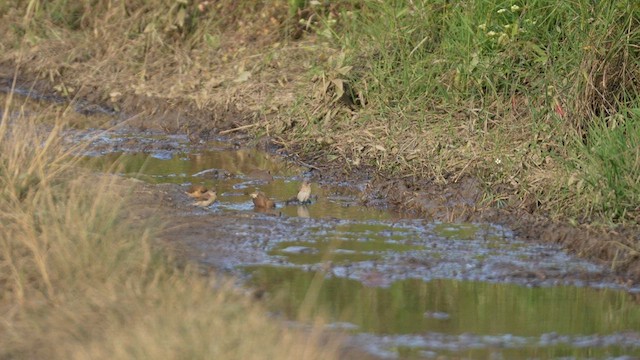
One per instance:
(460,317)
(234,173)
(399,286)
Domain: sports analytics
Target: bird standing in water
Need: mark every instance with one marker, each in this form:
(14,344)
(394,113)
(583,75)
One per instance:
(261,201)
(206,199)
(197,192)
(305,192)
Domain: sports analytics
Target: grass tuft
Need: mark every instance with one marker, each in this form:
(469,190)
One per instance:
(611,167)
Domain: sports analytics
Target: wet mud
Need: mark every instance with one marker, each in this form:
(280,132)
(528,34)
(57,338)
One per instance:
(461,202)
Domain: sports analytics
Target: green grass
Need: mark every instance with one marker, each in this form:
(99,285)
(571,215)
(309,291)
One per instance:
(503,90)
(610,162)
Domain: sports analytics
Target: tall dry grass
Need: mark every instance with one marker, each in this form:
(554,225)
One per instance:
(79,279)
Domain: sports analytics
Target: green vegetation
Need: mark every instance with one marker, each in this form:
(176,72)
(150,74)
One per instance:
(81,279)
(610,164)
(531,98)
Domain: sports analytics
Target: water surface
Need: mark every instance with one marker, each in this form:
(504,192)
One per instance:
(402,287)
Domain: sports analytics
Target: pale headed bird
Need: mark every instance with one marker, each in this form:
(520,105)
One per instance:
(305,192)
(196,191)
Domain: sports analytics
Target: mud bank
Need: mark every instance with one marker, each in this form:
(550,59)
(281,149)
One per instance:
(462,201)
(231,234)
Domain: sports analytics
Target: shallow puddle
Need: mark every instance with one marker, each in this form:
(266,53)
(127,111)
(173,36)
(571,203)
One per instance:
(234,173)
(401,287)
(344,244)
(460,316)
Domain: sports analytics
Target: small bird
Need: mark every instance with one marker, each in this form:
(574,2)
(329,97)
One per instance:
(305,192)
(207,199)
(197,192)
(261,201)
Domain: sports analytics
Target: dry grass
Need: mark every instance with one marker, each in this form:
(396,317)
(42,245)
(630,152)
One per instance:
(81,280)
(138,57)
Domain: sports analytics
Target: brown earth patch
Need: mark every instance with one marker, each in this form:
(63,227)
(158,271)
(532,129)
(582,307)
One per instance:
(138,111)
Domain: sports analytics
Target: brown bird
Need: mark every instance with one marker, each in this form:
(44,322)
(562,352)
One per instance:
(261,201)
(207,199)
(196,191)
(305,192)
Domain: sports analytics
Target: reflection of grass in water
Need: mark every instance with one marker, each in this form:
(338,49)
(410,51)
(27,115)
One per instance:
(316,258)
(187,164)
(345,243)
(325,250)
(470,232)
(529,352)
(357,246)
(369,230)
(80,280)
(474,307)
(457,231)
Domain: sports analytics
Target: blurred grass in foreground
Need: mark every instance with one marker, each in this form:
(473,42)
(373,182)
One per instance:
(81,280)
